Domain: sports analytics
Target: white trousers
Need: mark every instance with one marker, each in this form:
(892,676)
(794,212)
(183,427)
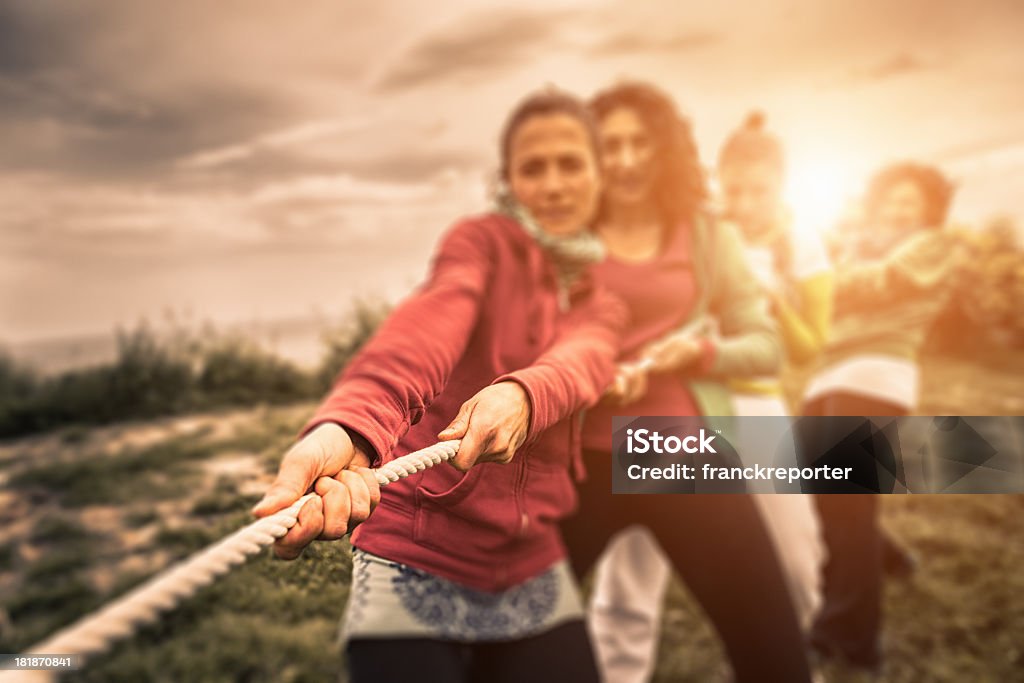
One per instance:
(631,576)
(624,614)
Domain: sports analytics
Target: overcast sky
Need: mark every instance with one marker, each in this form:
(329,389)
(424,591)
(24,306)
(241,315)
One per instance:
(242,160)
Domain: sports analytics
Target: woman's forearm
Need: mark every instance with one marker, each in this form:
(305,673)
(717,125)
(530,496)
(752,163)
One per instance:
(573,373)
(391,382)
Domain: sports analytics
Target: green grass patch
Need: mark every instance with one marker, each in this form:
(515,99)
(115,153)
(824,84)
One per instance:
(267,621)
(184,540)
(162,471)
(38,609)
(57,528)
(59,601)
(224,498)
(58,564)
(8,556)
(960,618)
(140,517)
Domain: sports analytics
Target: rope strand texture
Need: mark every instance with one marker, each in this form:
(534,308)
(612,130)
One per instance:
(94,633)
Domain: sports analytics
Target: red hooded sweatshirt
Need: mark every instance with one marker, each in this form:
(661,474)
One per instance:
(488,312)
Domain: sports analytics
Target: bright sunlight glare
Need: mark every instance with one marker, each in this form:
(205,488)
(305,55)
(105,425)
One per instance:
(819,192)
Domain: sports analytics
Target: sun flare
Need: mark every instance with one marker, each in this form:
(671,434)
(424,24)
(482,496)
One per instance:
(819,192)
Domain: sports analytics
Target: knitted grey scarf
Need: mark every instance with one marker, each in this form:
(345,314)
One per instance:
(570,254)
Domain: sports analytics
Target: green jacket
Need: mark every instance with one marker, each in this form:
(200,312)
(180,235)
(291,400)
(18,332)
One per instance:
(887,305)
(731,299)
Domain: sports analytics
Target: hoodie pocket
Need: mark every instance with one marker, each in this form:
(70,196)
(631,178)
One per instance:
(477,511)
(552,494)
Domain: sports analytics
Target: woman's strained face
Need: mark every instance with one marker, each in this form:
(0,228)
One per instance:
(627,157)
(552,172)
(752,194)
(902,207)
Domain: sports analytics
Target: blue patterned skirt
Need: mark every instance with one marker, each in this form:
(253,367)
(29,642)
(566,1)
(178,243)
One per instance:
(393,600)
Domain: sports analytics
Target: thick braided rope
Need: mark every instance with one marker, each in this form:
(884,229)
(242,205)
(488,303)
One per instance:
(95,633)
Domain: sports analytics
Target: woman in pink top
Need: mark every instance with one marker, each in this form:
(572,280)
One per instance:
(677,269)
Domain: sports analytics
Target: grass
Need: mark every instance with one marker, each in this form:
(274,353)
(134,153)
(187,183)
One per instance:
(183,540)
(55,528)
(138,518)
(268,621)
(58,565)
(961,618)
(8,556)
(159,472)
(962,615)
(222,499)
(52,602)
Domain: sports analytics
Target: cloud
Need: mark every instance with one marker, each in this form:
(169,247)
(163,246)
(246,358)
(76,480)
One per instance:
(74,127)
(896,65)
(342,188)
(486,44)
(309,131)
(379,148)
(137,134)
(983,147)
(51,213)
(635,42)
(29,33)
(116,89)
(474,46)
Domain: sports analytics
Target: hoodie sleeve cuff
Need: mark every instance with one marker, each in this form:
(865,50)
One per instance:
(523,378)
(366,435)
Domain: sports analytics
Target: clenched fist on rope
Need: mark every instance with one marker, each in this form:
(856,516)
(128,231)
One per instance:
(334,464)
(492,425)
(327,461)
(675,351)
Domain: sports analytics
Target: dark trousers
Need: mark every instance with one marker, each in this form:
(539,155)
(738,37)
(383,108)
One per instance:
(849,623)
(561,655)
(719,545)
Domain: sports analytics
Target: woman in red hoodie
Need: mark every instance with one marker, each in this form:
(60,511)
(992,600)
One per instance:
(460,572)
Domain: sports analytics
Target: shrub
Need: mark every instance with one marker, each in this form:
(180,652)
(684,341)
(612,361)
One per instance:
(154,375)
(988,286)
(146,379)
(164,470)
(17,382)
(235,371)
